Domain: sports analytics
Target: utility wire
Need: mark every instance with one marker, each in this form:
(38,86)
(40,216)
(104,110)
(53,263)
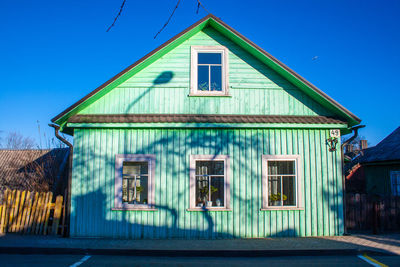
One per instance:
(166,23)
(119,13)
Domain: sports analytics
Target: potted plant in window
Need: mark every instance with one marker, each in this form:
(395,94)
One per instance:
(204,195)
(139,189)
(277,199)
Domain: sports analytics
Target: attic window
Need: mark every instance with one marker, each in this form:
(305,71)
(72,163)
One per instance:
(209,71)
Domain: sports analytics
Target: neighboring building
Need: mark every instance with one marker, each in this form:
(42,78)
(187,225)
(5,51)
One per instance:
(377,169)
(40,170)
(208,136)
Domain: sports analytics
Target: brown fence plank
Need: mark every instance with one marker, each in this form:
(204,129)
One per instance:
(33,212)
(11,210)
(57,214)
(20,211)
(3,212)
(364,212)
(15,210)
(29,213)
(44,213)
(393,223)
(27,204)
(49,208)
(8,208)
(36,222)
(63,227)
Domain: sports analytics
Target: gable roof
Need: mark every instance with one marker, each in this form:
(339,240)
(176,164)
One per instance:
(387,150)
(230,33)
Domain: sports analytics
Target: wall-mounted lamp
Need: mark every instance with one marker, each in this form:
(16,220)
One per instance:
(332,142)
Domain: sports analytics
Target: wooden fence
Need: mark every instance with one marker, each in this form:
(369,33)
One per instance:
(378,214)
(31,213)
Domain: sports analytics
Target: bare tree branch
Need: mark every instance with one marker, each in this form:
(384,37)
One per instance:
(166,23)
(15,140)
(119,13)
(199,4)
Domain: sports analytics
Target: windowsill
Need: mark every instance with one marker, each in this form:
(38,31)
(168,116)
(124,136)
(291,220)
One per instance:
(281,208)
(209,209)
(209,94)
(136,209)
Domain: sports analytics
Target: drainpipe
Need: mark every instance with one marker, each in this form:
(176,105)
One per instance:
(68,206)
(355,131)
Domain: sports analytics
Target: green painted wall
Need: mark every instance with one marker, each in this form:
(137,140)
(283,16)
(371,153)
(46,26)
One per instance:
(378,178)
(93,184)
(163,87)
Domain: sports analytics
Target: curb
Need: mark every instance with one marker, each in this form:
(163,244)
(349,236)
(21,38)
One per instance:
(189,253)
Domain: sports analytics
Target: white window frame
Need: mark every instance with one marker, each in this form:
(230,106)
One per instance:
(192,193)
(299,181)
(193,70)
(119,160)
(393,184)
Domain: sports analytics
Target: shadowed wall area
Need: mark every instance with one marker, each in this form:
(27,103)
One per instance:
(94,174)
(151,109)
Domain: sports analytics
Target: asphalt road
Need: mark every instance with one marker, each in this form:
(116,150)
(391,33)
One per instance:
(99,260)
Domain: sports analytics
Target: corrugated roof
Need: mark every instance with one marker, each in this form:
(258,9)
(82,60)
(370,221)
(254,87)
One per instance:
(33,169)
(201,118)
(387,150)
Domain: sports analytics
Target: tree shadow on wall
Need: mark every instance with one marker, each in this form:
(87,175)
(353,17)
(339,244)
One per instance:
(93,186)
(93,182)
(163,78)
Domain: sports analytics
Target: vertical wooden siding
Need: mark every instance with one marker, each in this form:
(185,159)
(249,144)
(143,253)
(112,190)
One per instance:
(93,184)
(163,87)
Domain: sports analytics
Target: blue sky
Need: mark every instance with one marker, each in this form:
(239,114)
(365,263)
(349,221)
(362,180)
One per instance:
(52,53)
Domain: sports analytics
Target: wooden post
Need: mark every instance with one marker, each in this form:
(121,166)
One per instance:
(57,214)
(63,229)
(375,217)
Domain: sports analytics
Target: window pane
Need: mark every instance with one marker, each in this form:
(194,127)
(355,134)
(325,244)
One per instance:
(131,190)
(216,78)
(289,191)
(202,78)
(217,191)
(130,171)
(274,191)
(281,167)
(142,190)
(124,190)
(134,168)
(215,167)
(201,191)
(209,58)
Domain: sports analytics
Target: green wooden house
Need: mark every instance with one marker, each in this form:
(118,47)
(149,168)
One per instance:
(208,136)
